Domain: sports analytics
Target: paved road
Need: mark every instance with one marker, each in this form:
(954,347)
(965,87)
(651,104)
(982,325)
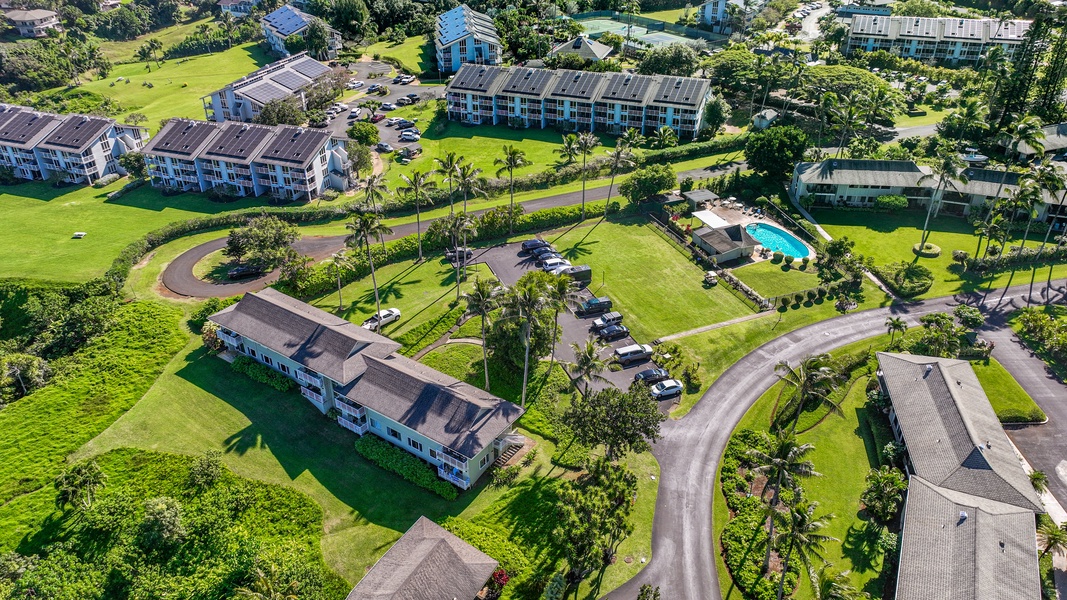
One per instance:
(683,549)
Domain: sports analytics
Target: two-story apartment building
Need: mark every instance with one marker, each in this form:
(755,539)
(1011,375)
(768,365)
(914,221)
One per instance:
(82,148)
(714,13)
(238,8)
(34,23)
(464,35)
(939,39)
(243,99)
(290,20)
(577,100)
(243,159)
(453,426)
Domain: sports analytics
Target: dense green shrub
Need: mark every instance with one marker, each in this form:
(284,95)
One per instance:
(777,257)
(905,279)
(262,373)
(694,150)
(492,540)
(927,251)
(106,180)
(407,466)
(569,454)
(891,202)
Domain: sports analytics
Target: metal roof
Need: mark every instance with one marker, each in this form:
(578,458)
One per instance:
(182,138)
(461,22)
(288,20)
(238,142)
(76,133)
(861,172)
(940,28)
(293,146)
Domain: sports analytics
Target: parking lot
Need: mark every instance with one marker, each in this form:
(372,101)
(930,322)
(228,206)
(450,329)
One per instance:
(338,126)
(508,266)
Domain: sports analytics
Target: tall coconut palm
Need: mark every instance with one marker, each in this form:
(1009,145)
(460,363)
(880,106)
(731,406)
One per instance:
(587,142)
(1026,130)
(588,366)
(1050,179)
(949,169)
(569,149)
(481,300)
(1053,537)
(632,137)
(1028,199)
(512,159)
(970,113)
(811,381)
(376,191)
(895,325)
(448,169)
(227,25)
(155,46)
(460,226)
(784,464)
(339,263)
(620,157)
(836,585)
(418,185)
(848,113)
(804,538)
(880,105)
(525,302)
(467,180)
(366,227)
(825,106)
(560,293)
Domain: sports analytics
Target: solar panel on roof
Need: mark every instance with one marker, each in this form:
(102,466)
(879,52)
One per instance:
(286,20)
(310,67)
(294,145)
(238,141)
(265,92)
(290,80)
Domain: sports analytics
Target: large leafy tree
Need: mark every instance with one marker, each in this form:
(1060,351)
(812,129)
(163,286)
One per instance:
(78,485)
(265,242)
(673,59)
(774,151)
(594,515)
(647,182)
(622,422)
(284,111)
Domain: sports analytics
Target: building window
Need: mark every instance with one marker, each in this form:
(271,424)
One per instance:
(392,433)
(268,361)
(284,368)
(415,444)
(484,461)
(433,454)
(373,424)
(252,353)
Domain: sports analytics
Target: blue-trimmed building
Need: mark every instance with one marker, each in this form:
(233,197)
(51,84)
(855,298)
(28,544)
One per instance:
(464,35)
(455,427)
(290,20)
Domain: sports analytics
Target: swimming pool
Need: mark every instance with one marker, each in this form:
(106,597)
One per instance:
(777,240)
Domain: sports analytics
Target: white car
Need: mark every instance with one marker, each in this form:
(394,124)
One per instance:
(391,121)
(554,263)
(385,317)
(356,84)
(410,136)
(667,389)
(388,106)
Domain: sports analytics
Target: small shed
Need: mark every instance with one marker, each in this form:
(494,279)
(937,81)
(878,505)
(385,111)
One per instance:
(698,198)
(764,118)
(725,243)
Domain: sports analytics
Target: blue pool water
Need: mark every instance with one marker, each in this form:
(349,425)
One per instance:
(777,240)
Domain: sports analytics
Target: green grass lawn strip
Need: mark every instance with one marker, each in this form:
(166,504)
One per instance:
(772,280)
(1010,401)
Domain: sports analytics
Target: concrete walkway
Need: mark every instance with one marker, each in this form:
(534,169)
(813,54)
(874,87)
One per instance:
(683,549)
(675,336)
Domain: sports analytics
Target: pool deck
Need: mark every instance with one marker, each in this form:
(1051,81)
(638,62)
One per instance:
(728,212)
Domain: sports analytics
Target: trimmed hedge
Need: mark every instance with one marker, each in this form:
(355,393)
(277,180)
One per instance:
(262,373)
(927,251)
(693,150)
(407,466)
(492,540)
(896,278)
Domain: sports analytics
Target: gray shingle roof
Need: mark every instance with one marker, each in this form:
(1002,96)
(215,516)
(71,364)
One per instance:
(989,554)
(894,173)
(426,563)
(986,182)
(725,239)
(293,146)
(238,142)
(583,47)
(442,408)
(1055,139)
(953,436)
(316,339)
(24,16)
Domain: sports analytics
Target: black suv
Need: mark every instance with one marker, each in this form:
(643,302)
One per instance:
(614,332)
(531,245)
(594,306)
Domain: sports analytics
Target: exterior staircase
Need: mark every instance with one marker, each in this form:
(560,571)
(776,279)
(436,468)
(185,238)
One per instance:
(509,446)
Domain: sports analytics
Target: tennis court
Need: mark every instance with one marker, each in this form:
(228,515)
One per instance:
(598,27)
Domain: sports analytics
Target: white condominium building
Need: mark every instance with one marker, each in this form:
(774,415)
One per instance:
(243,99)
(939,39)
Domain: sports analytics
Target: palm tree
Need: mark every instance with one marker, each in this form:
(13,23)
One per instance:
(881,104)
(569,149)
(632,138)
(267,585)
(1050,180)
(1053,537)
(823,109)
(144,53)
(513,159)
(971,112)
(339,263)
(1026,130)
(560,293)
(448,169)
(895,325)
(948,169)
(804,539)
(990,227)
(836,585)
(227,25)
(481,300)
(376,191)
(154,45)
(812,380)
(784,464)
(587,142)
(664,137)
(619,157)
(468,179)
(202,29)
(1027,199)
(78,485)
(418,185)
(588,366)
(461,225)
(525,301)
(365,227)
(848,114)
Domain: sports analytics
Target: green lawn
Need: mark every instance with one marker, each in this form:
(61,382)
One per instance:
(650,280)
(414,54)
(124,51)
(39,223)
(772,280)
(670,15)
(889,238)
(1010,401)
(931,117)
(177,88)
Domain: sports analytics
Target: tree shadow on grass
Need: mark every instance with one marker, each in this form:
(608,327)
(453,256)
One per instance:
(860,545)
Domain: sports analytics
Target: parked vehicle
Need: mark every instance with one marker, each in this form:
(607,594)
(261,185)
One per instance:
(614,332)
(383,318)
(374,88)
(414,97)
(611,318)
(392,121)
(650,376)
(531,245)
(547,256)
(628,355)
(243,271)
(410,136)
(402,101)
(594,306)
(541,251)
(670,388)
(388,106)
(554,263)
(383,147)
(398,79)
(356,85)
(452,253)
(402,126)
(579,273)
(376,117)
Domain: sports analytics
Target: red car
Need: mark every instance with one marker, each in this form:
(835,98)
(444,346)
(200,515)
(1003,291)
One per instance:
(376,117)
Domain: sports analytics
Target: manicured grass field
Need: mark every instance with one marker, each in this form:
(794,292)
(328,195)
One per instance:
(125,51)
(1010,401)
(670,16)
(414,54)
(889,238)
(178,84)
(930,118)
(654,283)
(39,222)
(772,280)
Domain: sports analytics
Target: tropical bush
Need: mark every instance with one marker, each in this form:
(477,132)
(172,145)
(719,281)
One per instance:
(927,251)
(407,466)
(891,202)
(262,373)
(905,279)
(1044,332)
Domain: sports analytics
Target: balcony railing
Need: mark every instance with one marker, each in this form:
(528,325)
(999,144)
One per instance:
(351,425)
(446,474)
(349,407)
(310,395)
(452,461)
(230,338)
(312,378)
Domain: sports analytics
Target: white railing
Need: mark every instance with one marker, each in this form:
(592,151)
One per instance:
(230,338)
(349,409)
(449,460)
(508,441)
(354,427)
(447,475)
(310,395)
(310,378)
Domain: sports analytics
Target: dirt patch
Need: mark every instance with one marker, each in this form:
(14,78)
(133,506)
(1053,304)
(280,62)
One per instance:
(144,261)
(758,485)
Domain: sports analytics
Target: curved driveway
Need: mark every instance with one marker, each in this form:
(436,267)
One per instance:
(683,549)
